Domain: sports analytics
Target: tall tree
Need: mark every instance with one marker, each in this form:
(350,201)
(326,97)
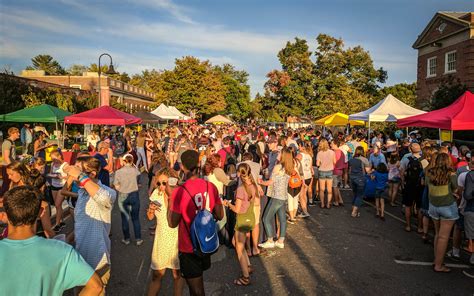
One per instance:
(237,94)
(193,84)
(288,91)
(46,63)
(403,91)
(449,90)
(345,80)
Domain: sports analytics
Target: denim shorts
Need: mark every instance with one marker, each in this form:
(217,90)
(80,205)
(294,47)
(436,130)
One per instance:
(325,174)
(336,180)
(444,213)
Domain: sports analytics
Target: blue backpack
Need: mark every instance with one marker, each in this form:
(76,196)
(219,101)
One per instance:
(203,229)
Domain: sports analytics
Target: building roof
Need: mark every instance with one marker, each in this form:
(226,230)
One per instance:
(461,18)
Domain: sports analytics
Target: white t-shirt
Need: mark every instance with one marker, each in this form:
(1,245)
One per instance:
(306,162)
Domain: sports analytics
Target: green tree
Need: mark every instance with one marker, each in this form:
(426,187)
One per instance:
(46,63)
(193,84)
(345,80)
(405,92)
(287,92)
(449,90)
(237,95)
(11,91)
(76,70)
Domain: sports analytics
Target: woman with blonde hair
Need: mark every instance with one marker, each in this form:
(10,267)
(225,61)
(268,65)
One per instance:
(325,161)
(141,156)
(245,198)
(165,245)
(442,185)
(278,193)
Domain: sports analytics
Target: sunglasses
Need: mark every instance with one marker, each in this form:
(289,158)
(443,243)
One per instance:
(161,183)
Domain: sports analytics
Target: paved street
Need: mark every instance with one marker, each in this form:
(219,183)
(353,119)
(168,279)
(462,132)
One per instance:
(330,253)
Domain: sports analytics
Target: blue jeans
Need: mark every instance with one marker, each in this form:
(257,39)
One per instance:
(275,206)
(358,188)
(129,205)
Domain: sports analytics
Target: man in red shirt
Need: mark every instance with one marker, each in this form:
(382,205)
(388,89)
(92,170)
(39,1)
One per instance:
(182,211)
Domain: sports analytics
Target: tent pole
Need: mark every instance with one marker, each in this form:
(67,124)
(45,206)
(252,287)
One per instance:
(64,134)
(57,138)
(407,131)
(439,133)
(368,135)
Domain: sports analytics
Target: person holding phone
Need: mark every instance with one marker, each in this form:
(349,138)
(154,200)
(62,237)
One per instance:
(165,246)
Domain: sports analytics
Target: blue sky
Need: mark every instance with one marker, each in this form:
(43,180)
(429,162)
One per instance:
(146,34)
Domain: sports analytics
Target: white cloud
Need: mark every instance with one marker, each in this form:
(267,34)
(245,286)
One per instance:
(34,20)
(169,6)
(202,37)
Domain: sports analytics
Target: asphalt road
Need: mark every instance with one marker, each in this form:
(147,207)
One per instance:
(329,253)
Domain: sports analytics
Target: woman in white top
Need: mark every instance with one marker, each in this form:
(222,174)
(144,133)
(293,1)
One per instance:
(307,164)
(165,246)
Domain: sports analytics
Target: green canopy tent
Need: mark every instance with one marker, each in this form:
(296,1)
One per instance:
(42,113)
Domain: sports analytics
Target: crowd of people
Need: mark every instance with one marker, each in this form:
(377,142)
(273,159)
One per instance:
(253,180)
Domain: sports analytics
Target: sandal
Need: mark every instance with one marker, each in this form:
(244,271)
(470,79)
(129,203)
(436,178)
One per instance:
(408,229)
(242,281)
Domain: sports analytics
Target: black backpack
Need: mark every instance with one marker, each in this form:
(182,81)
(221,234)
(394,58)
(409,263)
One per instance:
(413,172)
(468,193)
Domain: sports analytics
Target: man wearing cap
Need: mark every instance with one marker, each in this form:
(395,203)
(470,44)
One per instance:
(182,209)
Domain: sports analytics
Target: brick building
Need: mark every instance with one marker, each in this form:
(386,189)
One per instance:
(445,50)
(132,97)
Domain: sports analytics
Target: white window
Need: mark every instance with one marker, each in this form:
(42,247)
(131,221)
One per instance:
(431,67)
(450,62)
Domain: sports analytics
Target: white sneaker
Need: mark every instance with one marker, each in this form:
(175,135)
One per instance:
(139,242)
(267,245)
(347,187)
(125,241)
(279,245)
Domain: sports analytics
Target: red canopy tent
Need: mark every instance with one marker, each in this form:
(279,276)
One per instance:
(102,115)
(457,116)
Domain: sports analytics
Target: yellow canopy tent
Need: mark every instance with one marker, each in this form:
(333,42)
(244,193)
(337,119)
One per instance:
(338,119)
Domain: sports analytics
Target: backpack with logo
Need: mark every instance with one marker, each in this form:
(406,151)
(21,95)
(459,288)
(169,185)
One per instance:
(413,172)
(203,230)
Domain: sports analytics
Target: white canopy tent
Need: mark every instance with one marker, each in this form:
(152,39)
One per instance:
(387,110)
(177,112)
(165,113)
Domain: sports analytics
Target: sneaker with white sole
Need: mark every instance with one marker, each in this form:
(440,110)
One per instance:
(453,255)
(267,245)
(279,245)
(139,242)
(126,242)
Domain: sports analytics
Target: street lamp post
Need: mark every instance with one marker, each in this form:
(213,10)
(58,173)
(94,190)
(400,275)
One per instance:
(110,71)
